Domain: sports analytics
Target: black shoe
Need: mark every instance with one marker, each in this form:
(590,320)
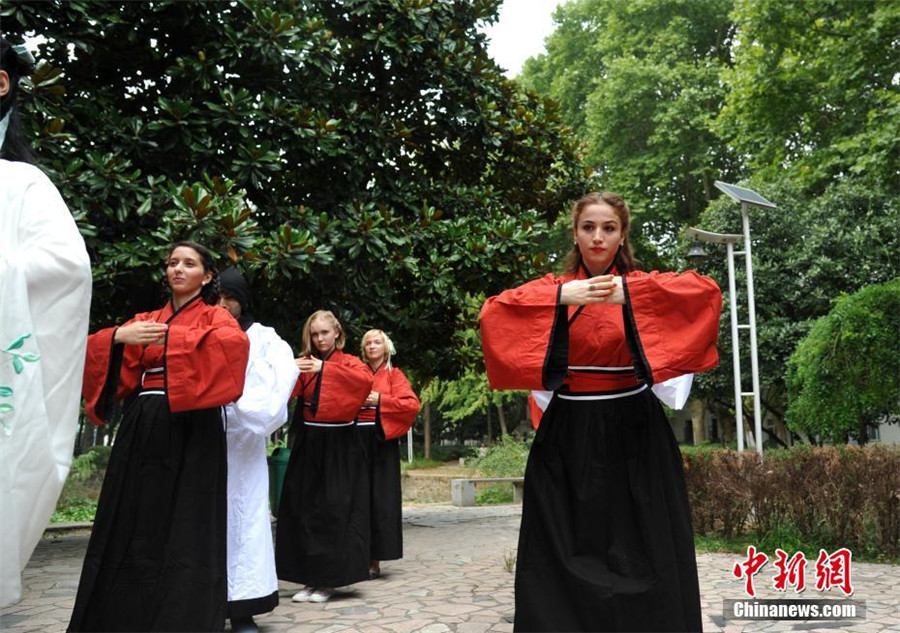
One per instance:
(244,625)
(374,575)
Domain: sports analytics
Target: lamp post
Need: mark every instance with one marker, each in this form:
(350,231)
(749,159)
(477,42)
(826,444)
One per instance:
(747,198)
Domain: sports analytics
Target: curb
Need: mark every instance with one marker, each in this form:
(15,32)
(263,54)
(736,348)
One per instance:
(56,529)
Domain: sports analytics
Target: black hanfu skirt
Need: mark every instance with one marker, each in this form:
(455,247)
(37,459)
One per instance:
(322,538)
(606,542)
(386,496)
(156,556)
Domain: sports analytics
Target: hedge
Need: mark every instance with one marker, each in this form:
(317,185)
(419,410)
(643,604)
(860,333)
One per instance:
(835,496)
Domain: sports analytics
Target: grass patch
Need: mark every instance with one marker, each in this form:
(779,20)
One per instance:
(493,494)
(713,544)
(419,463)
(74,510)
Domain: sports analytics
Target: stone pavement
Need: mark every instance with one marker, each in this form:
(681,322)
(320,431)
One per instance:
(454,578)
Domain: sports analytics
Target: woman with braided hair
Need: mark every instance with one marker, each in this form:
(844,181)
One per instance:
(156,560)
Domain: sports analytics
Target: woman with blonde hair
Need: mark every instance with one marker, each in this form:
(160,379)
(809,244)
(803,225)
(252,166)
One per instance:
(388,413)
(606,542)
(322,538)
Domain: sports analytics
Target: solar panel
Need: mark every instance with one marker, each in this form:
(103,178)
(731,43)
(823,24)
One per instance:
(744,195)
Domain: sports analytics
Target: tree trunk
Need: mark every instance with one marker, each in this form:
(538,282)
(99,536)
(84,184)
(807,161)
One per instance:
(490,431)
(502,417)
(697,409)
(426,410)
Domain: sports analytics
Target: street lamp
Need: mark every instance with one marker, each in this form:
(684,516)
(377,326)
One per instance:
(747,198)
(697,256)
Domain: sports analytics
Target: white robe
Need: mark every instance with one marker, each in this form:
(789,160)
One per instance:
(271,375)
(45,291)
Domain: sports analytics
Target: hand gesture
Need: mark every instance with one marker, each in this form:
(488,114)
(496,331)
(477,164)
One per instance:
(308,365)
(141,333)
(600,289)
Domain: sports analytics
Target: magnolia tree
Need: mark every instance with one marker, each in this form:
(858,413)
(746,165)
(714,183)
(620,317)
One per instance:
(362,156)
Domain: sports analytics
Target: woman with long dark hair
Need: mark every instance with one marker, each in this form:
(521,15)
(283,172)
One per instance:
(156,558)
(606,542)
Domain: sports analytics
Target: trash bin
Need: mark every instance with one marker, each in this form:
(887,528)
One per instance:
(278,462)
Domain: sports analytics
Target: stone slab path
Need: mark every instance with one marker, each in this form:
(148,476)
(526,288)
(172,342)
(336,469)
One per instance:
(455,578)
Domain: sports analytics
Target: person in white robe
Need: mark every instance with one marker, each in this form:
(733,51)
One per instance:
(261,410)
(45,299)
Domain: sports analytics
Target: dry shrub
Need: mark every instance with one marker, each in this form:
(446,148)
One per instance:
(830,496)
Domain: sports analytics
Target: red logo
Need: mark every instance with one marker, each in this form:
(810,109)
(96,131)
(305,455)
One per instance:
(749,568)
(832,570)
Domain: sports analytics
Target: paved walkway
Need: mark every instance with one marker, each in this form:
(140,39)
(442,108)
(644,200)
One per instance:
(455,578)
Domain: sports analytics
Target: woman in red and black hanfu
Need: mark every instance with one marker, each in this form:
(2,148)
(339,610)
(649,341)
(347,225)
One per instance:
(322,538)
(156,557)
(606,542)
(388,413)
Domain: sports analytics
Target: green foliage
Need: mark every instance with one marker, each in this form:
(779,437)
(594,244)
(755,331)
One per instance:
(806,253)
(843,376)
(493,494)
(74,510)
(813,90)
(452,452)
(364,156)
(506,458)
(639,83)
(91,463)
(469,394)
(83,466)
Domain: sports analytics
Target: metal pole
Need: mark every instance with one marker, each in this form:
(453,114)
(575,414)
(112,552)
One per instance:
(751,304)
(735,351)
(409,446)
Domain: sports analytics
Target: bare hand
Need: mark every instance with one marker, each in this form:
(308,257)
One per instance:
(141,333)
(373,398)
(309,365)
(600,289)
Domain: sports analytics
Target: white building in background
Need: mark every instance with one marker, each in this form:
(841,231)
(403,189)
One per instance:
(886,433)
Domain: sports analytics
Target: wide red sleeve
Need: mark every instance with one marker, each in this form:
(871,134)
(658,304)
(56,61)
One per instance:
(205,363)
(111,372)
(535,413)
(340,389)
(518,329)
(399,408)
(674,319)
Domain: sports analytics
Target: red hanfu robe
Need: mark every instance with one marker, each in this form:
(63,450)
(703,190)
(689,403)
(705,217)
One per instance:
(394,415)
(397,406)
(322,537)
(674,320)
(156,558)
(334,394)
(606,541)
(204,348)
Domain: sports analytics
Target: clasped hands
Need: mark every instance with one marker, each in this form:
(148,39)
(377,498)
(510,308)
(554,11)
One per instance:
(308,364)
(600,289)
